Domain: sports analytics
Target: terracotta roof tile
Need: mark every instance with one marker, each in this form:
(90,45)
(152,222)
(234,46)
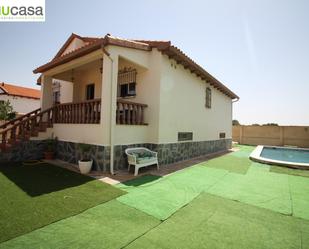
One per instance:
(20,91)
(165,47)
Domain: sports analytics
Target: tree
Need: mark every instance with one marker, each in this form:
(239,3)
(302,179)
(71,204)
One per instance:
(6,111)
(271,124)
(235,122)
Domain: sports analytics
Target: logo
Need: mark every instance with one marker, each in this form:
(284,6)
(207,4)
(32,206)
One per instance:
(22,10)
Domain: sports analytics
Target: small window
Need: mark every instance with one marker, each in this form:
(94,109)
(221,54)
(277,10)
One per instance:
(127,90)
(127,82)
(208,98)
(56,97)
(90,92)
(185,136)
(222,135)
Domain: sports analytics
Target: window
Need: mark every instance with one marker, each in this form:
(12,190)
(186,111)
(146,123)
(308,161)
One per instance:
(128,90)
(90,92)
(222,135)
(56,97)
(185,136)
(208,98)
(127,82)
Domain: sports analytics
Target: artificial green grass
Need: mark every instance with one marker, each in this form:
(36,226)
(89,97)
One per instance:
(109,225)
(192,218)
(261,189)
(145,180)
(299,188)
(289,171)
(172,192)
(230,163)
(33,196)
(214,222)
(231,176)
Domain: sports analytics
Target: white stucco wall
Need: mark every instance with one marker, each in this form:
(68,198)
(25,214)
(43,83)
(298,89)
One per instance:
(182,106)
(66,91)
(147,92)
(22,105)
(175,99)
(82,78)
(75,44)
(176,103)
(65,88)
(79,133)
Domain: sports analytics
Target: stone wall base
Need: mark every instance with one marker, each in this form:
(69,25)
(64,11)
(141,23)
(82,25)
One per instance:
(168,153)
(26,150)
(70,152)
(174,152)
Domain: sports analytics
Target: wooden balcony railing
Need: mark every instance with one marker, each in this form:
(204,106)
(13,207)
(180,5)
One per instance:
(88,112)
(30,124)
(26,127)
(130,113)
(15,120)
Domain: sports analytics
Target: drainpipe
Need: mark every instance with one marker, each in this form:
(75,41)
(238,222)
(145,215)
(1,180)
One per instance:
(111,132)
(240,136)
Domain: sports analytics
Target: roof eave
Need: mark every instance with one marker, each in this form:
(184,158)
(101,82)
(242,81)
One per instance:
(69,57)
(176,54)
(23,96)
(107,40)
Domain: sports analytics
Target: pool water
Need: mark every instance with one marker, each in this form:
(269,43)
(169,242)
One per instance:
(286,154)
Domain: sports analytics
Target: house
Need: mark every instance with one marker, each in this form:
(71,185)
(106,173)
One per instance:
(23,99)
(127,93)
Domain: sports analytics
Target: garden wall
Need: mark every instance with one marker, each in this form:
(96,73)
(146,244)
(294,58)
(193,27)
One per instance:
(271,135)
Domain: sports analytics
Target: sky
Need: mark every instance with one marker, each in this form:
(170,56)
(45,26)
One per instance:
(259,49)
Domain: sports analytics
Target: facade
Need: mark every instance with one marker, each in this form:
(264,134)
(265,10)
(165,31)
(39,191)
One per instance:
(23,99)
(121,93)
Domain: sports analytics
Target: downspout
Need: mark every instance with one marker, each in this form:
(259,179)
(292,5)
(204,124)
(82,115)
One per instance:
(111,132)
(233,101)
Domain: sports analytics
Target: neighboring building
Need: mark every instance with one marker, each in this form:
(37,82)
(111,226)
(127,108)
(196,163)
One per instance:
(134,93)
(23,99)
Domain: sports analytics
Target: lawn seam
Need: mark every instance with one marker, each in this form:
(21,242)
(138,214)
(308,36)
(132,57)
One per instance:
(291,199)
(161,221)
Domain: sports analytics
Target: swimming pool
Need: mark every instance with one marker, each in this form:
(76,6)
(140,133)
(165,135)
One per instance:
(285,156)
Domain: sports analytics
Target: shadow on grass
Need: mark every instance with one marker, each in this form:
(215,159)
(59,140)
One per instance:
(289,171)
(43,178)
(141,180)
